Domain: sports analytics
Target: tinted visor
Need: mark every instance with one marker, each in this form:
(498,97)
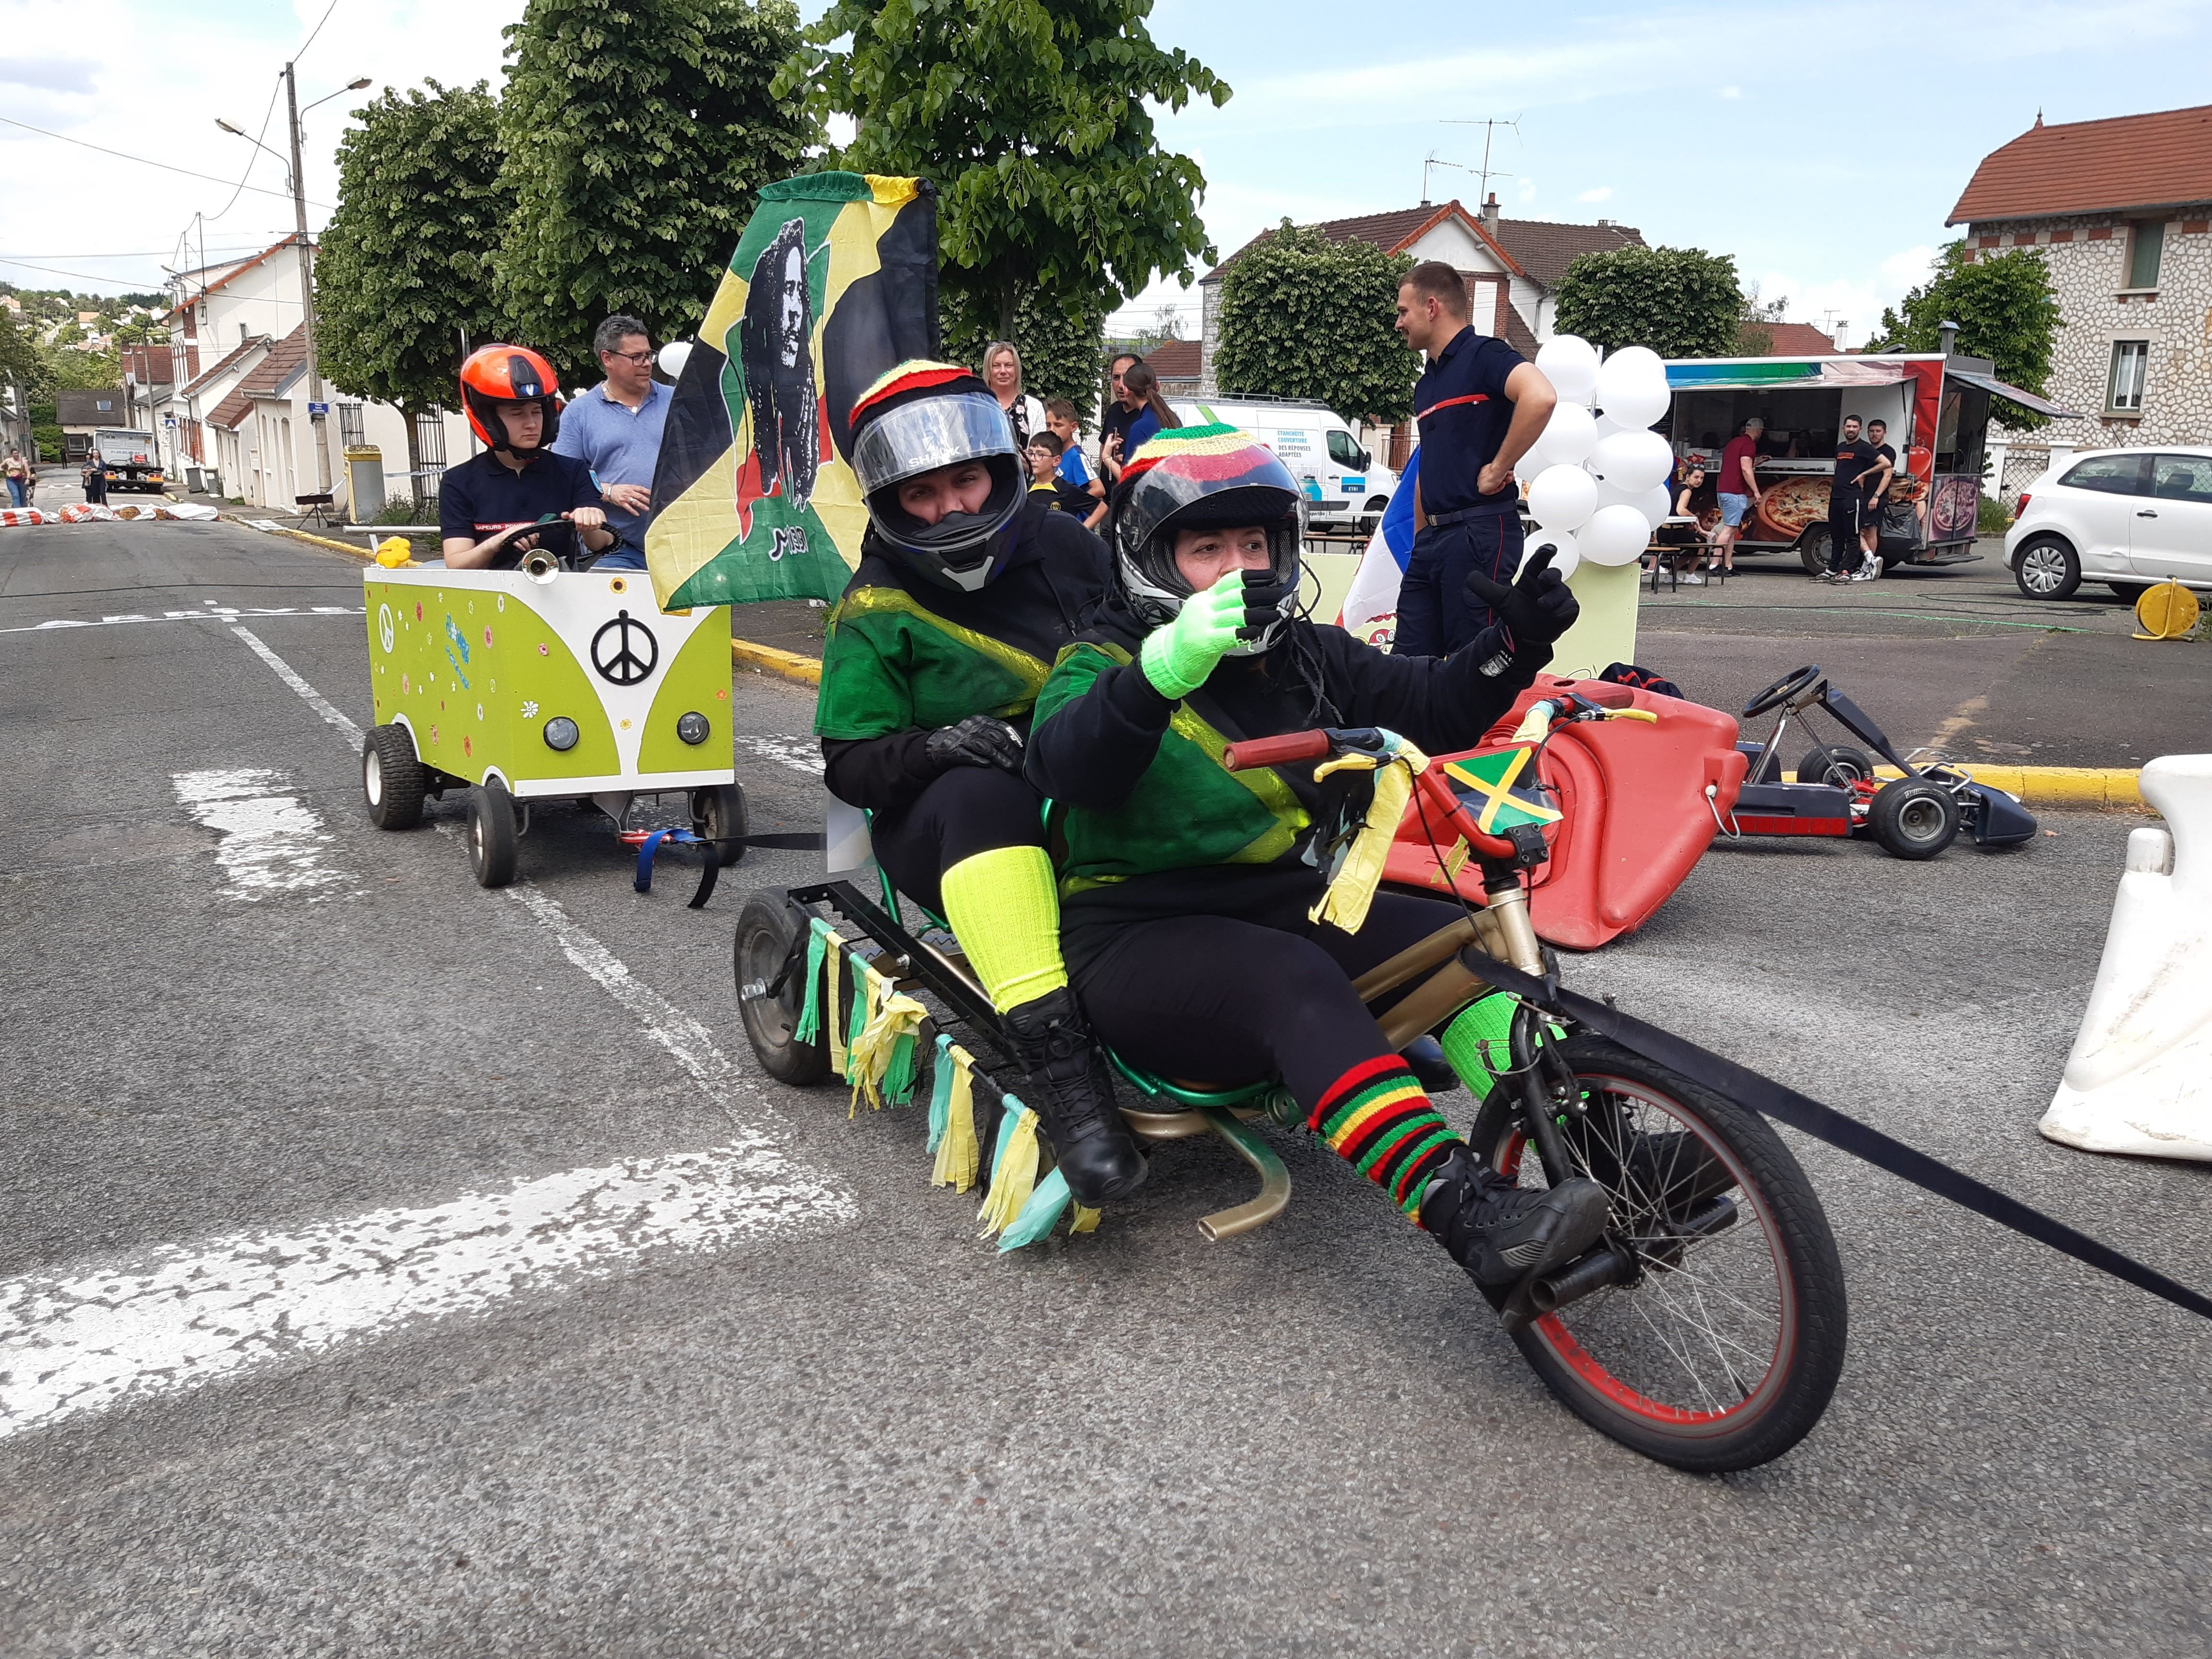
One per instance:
(929,433)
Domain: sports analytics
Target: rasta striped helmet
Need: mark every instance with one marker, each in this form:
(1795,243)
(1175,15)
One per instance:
(929,418)
(1200,477)
(494,375)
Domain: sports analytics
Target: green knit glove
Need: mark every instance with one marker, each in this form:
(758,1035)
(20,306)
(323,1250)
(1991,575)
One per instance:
(1177,658)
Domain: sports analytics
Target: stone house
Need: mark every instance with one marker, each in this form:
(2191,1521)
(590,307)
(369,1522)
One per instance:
(1511,267)
(2121,210)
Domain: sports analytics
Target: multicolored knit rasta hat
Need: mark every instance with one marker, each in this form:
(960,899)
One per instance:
(924,417)
(1198,477)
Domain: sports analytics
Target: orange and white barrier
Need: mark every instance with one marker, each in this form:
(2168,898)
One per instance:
(2139,1079)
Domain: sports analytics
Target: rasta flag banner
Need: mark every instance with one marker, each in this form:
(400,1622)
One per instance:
(833,284)
(1499,789)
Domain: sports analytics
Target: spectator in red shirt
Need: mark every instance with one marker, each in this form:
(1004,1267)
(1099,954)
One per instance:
(1738,487)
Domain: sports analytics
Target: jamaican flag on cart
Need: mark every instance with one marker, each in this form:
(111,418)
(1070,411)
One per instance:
(833,283)
(1498,788)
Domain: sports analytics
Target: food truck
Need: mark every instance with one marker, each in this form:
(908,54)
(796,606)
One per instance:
(1935,405)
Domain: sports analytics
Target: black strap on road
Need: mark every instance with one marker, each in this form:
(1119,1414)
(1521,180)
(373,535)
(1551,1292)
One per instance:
(1808,1116)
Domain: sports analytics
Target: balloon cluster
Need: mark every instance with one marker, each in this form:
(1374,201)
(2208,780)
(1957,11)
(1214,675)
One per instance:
(1598,481)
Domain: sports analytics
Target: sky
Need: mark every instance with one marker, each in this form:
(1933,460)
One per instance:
(1822,150)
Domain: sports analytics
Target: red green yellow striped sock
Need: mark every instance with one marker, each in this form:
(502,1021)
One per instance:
(1377,1118)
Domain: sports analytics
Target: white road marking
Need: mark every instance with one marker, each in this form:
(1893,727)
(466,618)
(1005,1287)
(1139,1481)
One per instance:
(315,699)
(272,841)
(85,1340)
(224,612)
(799,754)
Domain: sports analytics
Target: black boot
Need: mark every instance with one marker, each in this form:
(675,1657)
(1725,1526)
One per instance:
(1502,1233)
(1071,1095)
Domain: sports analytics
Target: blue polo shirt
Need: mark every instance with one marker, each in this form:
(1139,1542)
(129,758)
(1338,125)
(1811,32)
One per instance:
(619,444)
(1463,411)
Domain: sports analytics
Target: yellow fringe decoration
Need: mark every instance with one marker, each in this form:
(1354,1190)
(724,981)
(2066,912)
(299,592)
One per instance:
(1014,1178)
(1345,903)
(1087,1220)
(833,1013)
(957,1155)
(892,1015)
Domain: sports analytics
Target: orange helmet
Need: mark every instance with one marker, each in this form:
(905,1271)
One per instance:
(496,374)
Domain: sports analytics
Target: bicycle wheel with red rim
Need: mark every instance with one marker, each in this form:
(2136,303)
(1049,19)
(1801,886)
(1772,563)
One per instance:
(1722,1348)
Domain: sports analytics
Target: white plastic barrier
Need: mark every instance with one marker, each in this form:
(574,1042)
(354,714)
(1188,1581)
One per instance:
(2140,1078)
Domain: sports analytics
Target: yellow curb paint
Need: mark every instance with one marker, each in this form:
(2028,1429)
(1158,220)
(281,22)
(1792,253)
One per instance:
(789,664)
(2054,786)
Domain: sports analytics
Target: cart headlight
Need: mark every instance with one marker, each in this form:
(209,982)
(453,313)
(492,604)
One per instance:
(691,728)
(561,733)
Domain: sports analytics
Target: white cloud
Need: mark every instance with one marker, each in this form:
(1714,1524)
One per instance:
(1602,193)
(1528,190)
(1729,92)
(1909,266)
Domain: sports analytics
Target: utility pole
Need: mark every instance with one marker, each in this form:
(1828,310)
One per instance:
(1489,125)
(315,418)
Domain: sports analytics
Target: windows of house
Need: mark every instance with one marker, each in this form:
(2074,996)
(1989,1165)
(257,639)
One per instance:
(2146,247)
(2123,387)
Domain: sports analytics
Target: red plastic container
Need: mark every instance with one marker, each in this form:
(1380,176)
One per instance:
(1637,816)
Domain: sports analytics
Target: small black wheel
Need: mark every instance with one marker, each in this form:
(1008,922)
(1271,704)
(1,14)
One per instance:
(392,781)
(1837,763)
(1913,819)
(1723,1349)
(2047,569)
(492,834)
(720,813)
(1789,686)
(771,945)
(1813,549)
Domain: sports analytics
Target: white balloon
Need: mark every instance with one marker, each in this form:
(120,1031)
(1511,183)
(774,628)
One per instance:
(1535,460)
(1569,434)
(1562,497)
(1606,426)
(1614,535)
(1569,364)
(1656,504)
(673,357)
(1631,386)
(1632,461)
(1564,560)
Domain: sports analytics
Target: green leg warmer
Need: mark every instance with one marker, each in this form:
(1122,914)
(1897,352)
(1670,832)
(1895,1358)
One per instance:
(1489,1021)
(1003,906)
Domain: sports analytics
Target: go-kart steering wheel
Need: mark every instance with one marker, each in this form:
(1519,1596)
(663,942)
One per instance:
(554,536)
(1783,690)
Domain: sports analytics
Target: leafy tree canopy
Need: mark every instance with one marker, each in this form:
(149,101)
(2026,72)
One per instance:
(1030,119)
(1304,317)
(81,371)
(638,135)
(2005,311)
(405,271)
(1679,301)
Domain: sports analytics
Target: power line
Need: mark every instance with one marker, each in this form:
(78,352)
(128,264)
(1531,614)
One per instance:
(255,154)
(143,161)
(58,272)
(313,33)
(148,253)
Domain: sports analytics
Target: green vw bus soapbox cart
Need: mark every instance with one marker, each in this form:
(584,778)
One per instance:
(543,683)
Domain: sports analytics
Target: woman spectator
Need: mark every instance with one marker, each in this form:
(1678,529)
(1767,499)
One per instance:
(1002,373)
(1688,491)
(1153,416)
(19,474)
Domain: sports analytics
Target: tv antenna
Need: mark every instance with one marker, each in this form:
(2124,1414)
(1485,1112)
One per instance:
(1489,124)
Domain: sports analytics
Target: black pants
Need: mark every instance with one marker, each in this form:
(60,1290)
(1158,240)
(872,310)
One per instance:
(1435,615)
(1843,532)
(970,810)
(95,490)
(1214,1000)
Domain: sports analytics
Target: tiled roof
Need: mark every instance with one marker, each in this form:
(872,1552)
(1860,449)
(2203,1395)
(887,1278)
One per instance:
(232,411)
(1535,248)
(1174,359)
(151,365)
(1797,340)
(2091,167)
(286,358)
(251,343)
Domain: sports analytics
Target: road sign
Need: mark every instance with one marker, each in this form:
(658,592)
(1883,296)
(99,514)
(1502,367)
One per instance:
(316,412)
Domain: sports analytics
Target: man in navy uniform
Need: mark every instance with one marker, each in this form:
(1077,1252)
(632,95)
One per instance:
(1480,406)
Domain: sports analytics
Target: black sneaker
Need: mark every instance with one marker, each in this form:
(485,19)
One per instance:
(1073,1095)
(1502,1233)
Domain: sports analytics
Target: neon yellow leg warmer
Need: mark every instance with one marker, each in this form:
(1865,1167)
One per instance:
(1003,906)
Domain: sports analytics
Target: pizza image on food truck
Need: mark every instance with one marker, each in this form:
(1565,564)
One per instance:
(1935,404)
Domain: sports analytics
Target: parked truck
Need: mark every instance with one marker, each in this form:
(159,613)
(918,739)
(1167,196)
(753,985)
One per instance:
(129,460)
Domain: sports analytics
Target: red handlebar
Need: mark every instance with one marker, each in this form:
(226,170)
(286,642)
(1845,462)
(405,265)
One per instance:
(1275,751)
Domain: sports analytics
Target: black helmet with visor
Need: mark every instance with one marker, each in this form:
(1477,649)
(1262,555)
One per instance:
(1201,477)
(923,418)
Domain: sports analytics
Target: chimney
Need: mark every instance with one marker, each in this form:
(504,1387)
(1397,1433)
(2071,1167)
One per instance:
(1947,334)
(1605,224)
(1490,212)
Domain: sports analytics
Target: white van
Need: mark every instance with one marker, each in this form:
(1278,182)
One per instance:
(1345,487)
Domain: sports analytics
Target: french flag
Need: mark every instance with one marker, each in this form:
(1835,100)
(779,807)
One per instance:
(1370,604)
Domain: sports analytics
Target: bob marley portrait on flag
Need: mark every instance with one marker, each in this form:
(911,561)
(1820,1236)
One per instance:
(833,283)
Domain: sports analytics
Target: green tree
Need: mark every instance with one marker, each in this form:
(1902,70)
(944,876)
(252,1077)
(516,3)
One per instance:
(1679,301)
(405,273)
(1062,355)
(2005,311)
(21,360)
(638,134)
(82,371)
(1305,317)
(1031,117)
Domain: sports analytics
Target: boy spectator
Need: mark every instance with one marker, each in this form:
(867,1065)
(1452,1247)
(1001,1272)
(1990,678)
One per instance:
(1043,457)
(1080,491)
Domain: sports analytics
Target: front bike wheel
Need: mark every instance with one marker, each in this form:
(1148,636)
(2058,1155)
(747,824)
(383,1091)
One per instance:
(1720,1349)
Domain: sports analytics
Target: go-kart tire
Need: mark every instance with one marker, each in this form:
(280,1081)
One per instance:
(720,811)
(392,781)
(1821,765)
(1912,818)
(492,834)
(1600,1355)
(770,929)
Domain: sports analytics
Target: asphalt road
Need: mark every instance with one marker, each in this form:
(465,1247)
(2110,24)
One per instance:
(748,1385)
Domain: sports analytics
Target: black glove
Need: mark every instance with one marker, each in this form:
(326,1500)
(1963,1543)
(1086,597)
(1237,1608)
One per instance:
(979,740)
(1266,601)
(1537,609)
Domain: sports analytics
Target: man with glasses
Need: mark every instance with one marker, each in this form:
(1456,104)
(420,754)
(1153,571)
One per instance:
(615,429)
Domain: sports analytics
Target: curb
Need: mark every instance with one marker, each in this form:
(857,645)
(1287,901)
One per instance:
(2055,785)
(366,556)
(785,664)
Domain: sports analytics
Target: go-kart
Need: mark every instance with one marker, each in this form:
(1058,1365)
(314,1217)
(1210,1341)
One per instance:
(1915,817)
(543,683)
(1705,1330)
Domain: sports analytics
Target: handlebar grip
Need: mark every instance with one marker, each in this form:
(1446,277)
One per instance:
(1275,751)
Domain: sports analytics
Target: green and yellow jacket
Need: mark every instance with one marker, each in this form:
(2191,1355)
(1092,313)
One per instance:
(904,656)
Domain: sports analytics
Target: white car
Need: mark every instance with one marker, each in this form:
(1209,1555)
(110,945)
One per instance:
(2124,516)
